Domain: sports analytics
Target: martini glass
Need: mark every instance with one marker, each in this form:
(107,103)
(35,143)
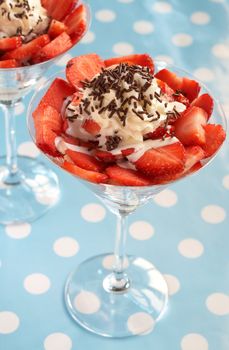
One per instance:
(104,291)
(28,188)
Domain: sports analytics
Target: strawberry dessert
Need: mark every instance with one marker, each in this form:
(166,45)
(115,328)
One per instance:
(34,31)
(118,122)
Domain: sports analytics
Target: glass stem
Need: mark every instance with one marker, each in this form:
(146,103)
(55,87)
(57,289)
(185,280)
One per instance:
(12,177)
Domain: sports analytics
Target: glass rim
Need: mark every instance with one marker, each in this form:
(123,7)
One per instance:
(161,65)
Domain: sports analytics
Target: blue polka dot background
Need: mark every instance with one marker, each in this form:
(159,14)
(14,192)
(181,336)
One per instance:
(183,231)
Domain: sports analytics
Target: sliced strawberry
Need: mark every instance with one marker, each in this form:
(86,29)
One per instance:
(91,176)
(215,135)
(189,128)
(9,64)
(76,23)
(28,50)
(193,154)
(70,139)
(160,132)
(91,127)
(83,68)
(170,94)
(205,102)
(85,161)
(56,28)
(162,160)
(127,152)
(56,94)
(105,156)
(126,177)
(56,47)
(190,88)
(49,5)
(62,8)
(12,43)
(48,125)
(143,60)
(170,78)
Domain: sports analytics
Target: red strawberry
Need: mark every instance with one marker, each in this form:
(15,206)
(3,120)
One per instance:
(189,128)
(85,161)
(70,139)
(57,92)
(83,68)
(49,5)
(26,51)
(215,135)
(190,88)
(205,102)
(56,28)
(126,177)
(143,60)
(48,125)
(160,132)
(170,78)
(62,8)
(91,127)
(9,64)
(91,176)
(12,43)
(56,47)
(170,94)
(162,160)
(193,154)
(127,152)
(76,23)
(105,156)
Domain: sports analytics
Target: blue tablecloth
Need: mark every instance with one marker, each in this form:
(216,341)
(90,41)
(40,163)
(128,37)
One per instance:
(184,231)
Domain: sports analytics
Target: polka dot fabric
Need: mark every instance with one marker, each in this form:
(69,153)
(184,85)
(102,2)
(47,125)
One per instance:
(183,230)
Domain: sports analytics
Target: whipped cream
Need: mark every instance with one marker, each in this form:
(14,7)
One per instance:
(22,17)
(143,108)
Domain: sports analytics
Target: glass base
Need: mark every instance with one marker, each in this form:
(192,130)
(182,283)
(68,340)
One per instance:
(35,191)
(111,314)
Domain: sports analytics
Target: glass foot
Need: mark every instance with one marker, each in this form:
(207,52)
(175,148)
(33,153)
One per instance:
(112,314)
(35,192)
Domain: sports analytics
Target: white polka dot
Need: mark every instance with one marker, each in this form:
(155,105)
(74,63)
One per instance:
(140,322)
(221,51)
(87,302)
(9,322)
(166,198)
(123,48)
(204,74)
(49,197)
(194,341)
(173,284)
(37,283)
(19,108)
(213,214)
(218,304)
(226,182)
(28,149)
(218,1)
(109,260)
(191,248)
(62,61)
(141,230)
(88,38)
(143,27)
(105,15)
(162,7)
(93,212)
(182,39)
(66,247)
(58,341)
(200,18)
(18,231)
(125,1)
(165,58)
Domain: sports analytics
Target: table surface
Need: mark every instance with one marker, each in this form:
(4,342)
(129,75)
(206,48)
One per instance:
(184,230)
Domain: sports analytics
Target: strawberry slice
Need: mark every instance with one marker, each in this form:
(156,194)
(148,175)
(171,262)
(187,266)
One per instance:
(162,160)
(205,102)
(83,68)
(76,23)
(126,177)
(70,139)
(9,64)
(170,94)
(91,176)
(91,127)
(193,154)
(26,51)
(12,43)
(57,92)
(143,60)
(189,128)
(105,156)
(62,8)
(170,78)
(215,136)
(190,88)
(160,132)
(127,152)
(56,28)
(54,48)
(48,125)
(85,161)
